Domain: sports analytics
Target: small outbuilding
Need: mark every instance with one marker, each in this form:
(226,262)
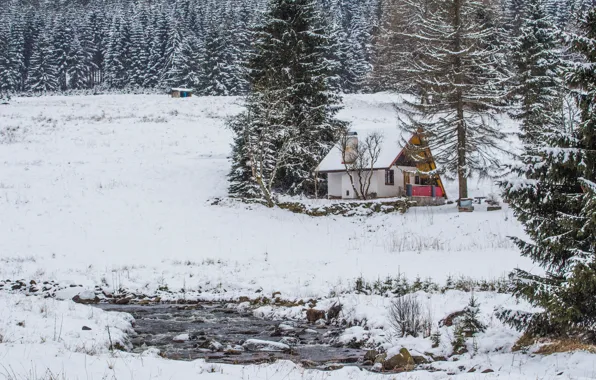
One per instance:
(181,93)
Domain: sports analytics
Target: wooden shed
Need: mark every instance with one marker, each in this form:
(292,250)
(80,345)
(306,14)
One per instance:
(181,93)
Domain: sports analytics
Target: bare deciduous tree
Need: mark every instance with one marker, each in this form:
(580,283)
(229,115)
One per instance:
(359,159)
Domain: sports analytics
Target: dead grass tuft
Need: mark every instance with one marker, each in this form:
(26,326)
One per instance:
(565,345)
(523,343)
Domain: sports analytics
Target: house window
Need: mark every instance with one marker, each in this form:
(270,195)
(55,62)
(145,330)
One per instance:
(417,180)
(389,177)
(347,193)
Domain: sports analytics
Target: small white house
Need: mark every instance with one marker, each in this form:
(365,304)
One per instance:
(394,174)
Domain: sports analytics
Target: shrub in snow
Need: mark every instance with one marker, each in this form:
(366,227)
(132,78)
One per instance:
(406,317)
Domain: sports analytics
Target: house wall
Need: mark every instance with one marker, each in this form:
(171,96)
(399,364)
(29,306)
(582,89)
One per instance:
(388,191)
(334,184)
(339,185)
(396,190)
(347,192)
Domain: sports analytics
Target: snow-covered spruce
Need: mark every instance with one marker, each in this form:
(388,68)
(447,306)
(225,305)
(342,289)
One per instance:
(289,123)
(555,200)
(458,78)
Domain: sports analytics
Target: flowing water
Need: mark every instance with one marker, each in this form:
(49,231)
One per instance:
(217,334)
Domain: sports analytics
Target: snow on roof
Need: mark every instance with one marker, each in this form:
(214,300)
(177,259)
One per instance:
(182,89)
(392,145)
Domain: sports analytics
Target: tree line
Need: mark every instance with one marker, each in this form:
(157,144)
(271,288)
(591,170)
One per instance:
(125,45)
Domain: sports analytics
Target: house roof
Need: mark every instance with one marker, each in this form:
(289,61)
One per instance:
(182,89)
(393,143)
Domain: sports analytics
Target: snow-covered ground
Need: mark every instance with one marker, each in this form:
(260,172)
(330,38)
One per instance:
(105,189)
(119,191)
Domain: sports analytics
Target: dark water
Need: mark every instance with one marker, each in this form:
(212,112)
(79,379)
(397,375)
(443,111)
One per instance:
(217,334)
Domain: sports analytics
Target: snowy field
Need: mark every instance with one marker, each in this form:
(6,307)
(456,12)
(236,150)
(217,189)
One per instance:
(119,191)
(120,188)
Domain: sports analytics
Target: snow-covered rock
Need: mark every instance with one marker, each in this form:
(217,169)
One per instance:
(181,338)
(264,345)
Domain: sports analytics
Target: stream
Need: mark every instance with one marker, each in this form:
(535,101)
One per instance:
(224,335)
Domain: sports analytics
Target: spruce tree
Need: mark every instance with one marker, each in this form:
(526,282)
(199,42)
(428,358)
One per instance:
(8,76)
(42,74)
(78,65)
(457,75)
(62,41)
(538,84)
(216,73)
(187,66)
(34,26)
(555,203)
(470,323)
(514,16)
(5,67)
(171,51)
(157,50)
(290,106)
(118,55)
(139,53)
(94,39)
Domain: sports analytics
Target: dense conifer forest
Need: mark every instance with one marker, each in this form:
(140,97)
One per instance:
(129,45)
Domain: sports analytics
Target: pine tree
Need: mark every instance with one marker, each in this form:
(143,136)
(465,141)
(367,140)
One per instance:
(216,78)
(157,50)
(94,39)
(394,47)
(154,32)
(356,66)
(514,16)
(457,74)
(311,107)
(139,53)
(5,67)
(172,50)
(78,65)
(555,203)
(42,74)
(31,34)
(289,108)
(470,323)
(62,42)
(118,55)
(187,66)
(239,49)
(537,56)
(9,72)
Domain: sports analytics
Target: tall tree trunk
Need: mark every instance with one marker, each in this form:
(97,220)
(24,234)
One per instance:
(462,174)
